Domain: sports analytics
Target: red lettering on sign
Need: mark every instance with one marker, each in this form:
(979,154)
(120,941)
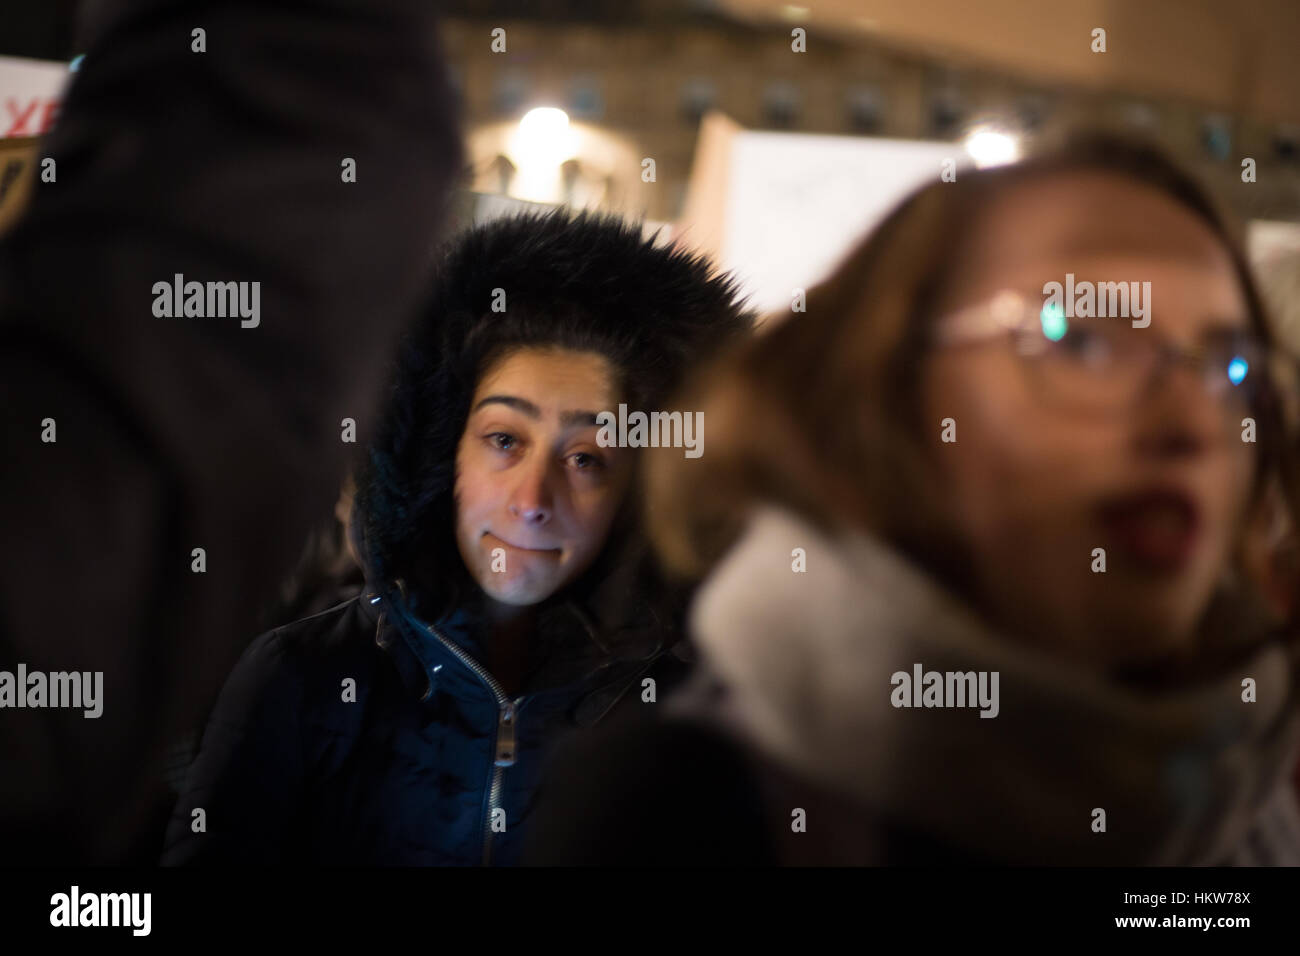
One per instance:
(21,117)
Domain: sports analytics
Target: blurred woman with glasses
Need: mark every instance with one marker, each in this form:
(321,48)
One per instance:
(938,470)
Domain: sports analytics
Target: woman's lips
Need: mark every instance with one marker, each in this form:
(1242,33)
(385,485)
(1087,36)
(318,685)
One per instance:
(552,552)
(1157,529)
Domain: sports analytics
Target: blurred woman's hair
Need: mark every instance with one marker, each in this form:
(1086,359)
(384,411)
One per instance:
(327,572)
(821,413)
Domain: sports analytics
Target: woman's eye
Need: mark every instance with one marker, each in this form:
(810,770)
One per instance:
(1238,354)
(583,461)
(1086,345)
(501,441)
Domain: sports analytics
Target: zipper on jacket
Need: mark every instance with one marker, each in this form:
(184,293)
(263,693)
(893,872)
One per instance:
(507,717)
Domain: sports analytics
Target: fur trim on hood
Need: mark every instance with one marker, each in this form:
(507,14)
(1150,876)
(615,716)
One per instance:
(586,282)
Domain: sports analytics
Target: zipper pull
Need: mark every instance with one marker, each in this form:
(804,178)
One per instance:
(506,735)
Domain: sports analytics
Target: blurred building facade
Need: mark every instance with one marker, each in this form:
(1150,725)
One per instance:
(636,79)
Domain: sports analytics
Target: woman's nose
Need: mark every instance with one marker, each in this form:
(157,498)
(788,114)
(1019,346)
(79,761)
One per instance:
(531,500)
(1180,416)
(535,514)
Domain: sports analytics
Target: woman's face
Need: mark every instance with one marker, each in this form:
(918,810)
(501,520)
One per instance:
(1160,485)
(535,494)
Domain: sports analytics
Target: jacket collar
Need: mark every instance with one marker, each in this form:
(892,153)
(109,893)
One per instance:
(808,660)
(580,665)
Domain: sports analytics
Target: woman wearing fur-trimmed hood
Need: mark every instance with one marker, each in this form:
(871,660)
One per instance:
(508,596)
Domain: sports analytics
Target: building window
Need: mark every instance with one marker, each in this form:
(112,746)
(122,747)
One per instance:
(946,112)
(780,105)
(585,99)
(1140,117)
(1286,143)
(1216,136)
(698,97)
(866,110)
(510,94)
(1032,110)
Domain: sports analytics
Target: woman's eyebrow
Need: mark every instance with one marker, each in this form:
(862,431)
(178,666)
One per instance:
(1220,325)
(512,401)
(570,419)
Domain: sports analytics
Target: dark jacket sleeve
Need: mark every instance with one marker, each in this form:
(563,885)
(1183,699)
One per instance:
(174,434)
(243,795)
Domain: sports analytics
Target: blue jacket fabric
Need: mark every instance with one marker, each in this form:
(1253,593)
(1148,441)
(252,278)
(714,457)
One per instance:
(365,735)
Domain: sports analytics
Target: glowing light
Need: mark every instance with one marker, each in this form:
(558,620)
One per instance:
(543,136)
(539,146)
(991,147)
(1053,320)
(1237,370)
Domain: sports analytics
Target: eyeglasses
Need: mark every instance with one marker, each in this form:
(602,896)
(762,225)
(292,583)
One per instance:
(1104,365)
